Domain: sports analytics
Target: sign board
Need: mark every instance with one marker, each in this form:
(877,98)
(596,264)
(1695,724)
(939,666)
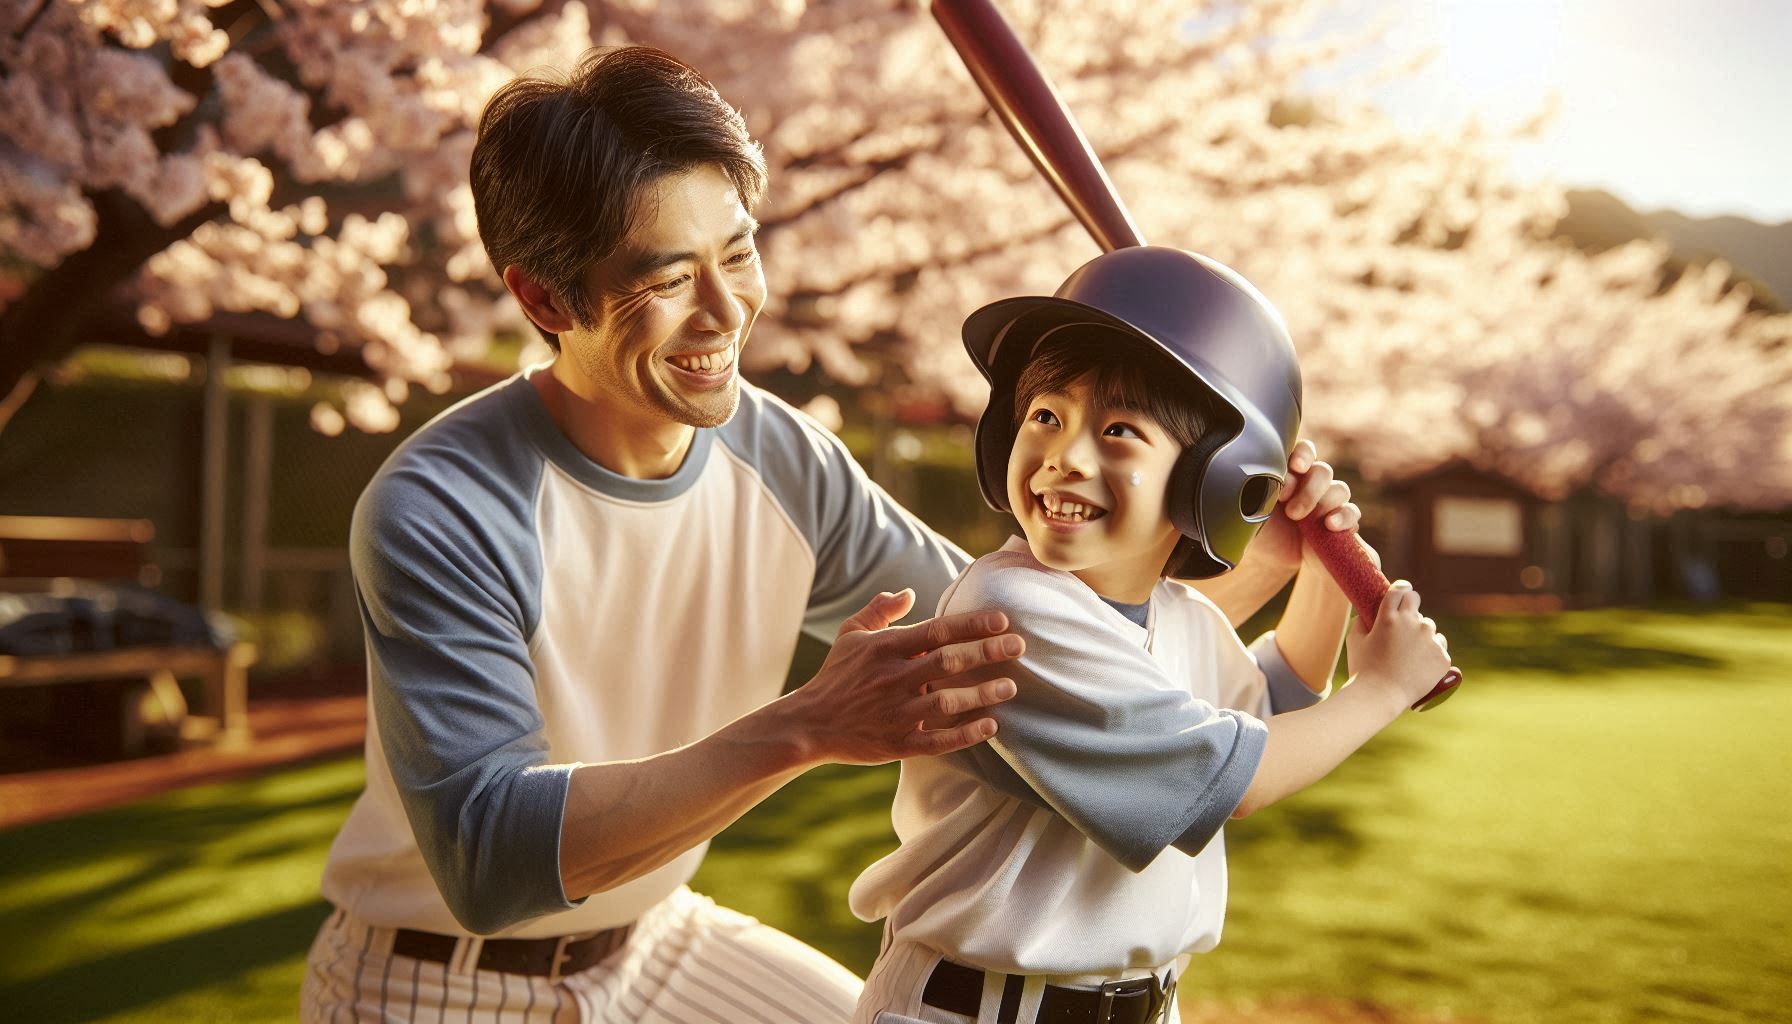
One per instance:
(1477,526)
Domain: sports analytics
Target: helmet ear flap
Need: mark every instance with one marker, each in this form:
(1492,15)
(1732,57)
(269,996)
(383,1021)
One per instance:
(1189,559)
(994,442)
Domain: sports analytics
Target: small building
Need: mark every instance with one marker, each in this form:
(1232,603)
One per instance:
(1473,541)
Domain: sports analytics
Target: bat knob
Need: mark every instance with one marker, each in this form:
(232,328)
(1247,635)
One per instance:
(1444,690)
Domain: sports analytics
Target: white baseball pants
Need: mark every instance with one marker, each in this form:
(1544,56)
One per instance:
(894,986)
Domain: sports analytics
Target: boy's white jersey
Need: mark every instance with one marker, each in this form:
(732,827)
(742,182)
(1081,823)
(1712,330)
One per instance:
(995,873)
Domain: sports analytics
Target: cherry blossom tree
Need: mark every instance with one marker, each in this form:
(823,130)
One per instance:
(307,159)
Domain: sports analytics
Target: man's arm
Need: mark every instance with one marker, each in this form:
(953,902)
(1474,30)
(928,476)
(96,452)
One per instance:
(499,824)
(883,693)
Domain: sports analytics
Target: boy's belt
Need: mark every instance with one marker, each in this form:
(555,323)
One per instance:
(955,987)
(551,958)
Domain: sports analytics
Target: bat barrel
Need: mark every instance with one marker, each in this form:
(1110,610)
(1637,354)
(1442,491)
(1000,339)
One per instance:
(1034,114)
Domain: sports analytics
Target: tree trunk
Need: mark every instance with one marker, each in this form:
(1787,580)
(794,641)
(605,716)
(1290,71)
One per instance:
(46,323)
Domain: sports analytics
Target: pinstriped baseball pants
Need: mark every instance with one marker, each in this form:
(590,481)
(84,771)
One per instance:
(687,962)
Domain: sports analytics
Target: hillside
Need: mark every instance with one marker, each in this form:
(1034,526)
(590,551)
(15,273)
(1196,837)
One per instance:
(1759,254)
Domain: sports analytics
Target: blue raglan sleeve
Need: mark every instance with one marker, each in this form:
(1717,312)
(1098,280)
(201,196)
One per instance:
(444,583)
(1099,734)
(864,542)
(1283,690)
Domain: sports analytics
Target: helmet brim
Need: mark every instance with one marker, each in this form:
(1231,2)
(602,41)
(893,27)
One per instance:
(1000,337)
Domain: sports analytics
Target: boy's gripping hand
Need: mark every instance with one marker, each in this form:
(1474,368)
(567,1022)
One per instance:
(887,692)
(1404,654)
(1310,489)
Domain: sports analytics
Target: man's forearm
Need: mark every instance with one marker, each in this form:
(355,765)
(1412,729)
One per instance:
(1311,631)
(884,693)
(624,819)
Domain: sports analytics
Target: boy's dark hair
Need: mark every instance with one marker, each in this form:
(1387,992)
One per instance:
(558,165)
(1124,375)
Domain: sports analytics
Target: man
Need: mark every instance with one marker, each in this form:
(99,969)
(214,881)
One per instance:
(581,590)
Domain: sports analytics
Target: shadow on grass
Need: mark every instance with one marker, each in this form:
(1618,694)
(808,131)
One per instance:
(1318,826)
(130,847)
(119,909)
(142,975)
(1588,647)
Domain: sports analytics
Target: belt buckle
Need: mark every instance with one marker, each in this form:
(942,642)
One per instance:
(561,958)
(1104,1007)
(1164,994)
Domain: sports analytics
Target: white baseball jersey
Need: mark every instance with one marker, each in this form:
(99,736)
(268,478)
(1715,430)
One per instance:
(526,610)
(1085,838)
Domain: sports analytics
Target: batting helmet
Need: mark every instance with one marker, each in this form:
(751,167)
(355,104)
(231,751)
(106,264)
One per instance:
(1208,320)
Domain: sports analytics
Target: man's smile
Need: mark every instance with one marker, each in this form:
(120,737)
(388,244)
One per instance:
(704,368)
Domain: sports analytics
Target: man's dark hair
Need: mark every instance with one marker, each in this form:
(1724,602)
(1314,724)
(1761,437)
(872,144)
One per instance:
(1125,373)
(559,165)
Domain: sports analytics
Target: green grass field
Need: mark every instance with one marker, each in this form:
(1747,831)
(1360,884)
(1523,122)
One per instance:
(1595,830)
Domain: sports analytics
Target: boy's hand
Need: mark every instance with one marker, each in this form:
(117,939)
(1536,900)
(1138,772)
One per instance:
(887,692)
(1309,490)
(1404,653)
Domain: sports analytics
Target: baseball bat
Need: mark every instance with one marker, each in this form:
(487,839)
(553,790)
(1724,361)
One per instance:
(1027,105)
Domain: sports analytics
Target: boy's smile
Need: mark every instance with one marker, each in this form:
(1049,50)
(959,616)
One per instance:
(1070,483)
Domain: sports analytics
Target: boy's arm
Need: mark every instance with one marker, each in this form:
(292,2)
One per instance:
(1097,732)
(1310,633)
(1241,592)
(1395,665)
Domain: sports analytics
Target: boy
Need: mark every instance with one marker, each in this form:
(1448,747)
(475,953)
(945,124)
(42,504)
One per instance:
(1140,426)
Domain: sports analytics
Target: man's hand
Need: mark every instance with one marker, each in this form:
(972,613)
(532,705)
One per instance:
(887,692)
(1309,490)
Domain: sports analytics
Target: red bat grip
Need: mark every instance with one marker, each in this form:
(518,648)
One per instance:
(1343,556)
(1025,102)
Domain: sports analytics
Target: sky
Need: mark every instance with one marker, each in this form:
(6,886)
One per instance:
(1669,104)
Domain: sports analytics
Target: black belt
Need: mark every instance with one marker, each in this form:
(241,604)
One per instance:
(552,958)
(955,987)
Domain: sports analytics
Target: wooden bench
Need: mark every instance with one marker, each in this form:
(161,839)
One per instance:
(224,678)
(38,547)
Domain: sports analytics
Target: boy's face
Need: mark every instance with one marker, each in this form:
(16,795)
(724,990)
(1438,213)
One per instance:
(1070,484)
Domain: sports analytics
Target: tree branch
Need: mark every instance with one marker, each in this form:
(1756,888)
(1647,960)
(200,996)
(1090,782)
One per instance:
(501,23)
(808,296)
(46,323)
(31,22)
(871,170)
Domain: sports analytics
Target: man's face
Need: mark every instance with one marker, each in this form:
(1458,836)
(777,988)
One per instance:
(673,306)
(1070,484)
